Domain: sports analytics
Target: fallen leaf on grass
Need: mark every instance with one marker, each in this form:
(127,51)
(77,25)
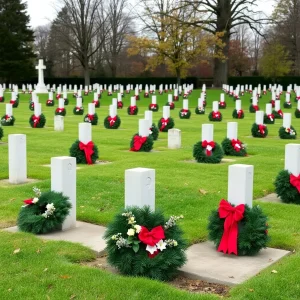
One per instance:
(16,251)
(231,276)
(48,297)
(65,276)
(9,290)
(38,251)
(274,272)
(251,290)
(203,192)
(73,297)
(46,269)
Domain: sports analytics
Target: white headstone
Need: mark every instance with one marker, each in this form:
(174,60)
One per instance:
(149,117)
(37,109)
(292,159)
(63,180)
(259,117)
(232,130)
(113,110)
(207,132)
(153,100)
(215,106)
(240,184)
(58,123)
(61,103)
(174,138)
(277,105)
(115,102)
(166,112)
(287,120)
(41,87)
(9,109)
(185,104)
(268,108)
(140,187)
(143,127)
(91,109)
(238,105)
(17,158)
(132,101)
(79,102)
(85,132)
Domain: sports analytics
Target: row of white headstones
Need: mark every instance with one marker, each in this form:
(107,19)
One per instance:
(140,182)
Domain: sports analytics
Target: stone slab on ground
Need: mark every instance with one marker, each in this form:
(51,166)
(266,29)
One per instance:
(89,235)
(6,183)
(270,198)
(205,263)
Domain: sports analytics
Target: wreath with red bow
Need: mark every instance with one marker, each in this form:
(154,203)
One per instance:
(273,103)
(238,114)
(200,110)
(171,104)
(238,230)
(141,143)
(153,107)
(132,110)
(233,147)
(287,104)
(297,113)
(15,103)
(93,119)
(175,98)
(259,131)
(140,242)
(287,133)
(287,187)
(97,103)
(215,116)
(60,112)
(154,132)
(66,101)
(2,99)
(222,105)
(37,122)
(84,153)
(269,119)
(137,97)
(8,120)
(184,114)
(112,123)
(119,104)
(50,102)
(208,152)
(31,105)
(165,124)
(78,110)
(278,114)
(146,95)
(253,108)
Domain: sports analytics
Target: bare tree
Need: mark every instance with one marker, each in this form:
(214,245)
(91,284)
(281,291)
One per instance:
(41,34)
(84,23)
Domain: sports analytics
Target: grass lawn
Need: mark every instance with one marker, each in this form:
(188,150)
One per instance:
(46,270)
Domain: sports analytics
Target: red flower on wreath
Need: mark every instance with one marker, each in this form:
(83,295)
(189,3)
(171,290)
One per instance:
(78,108)
(138,142)
(112,120)
(36,120)
(12,101)
(164,123)
(216,115)
(261,129)
(57,96)
(255,107)
(209,147)
(96,102)
(59,110)
(237,145)
(7,117)
(240,113)
(132,109)
(184,112)
(295,181)
(49,101)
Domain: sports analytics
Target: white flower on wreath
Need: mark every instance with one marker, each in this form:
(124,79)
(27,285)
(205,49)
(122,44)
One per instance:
(131,220)
(137,228)
(50,207)
(131,232)
(161,245)
(209,148)
(35,200)
(151,249)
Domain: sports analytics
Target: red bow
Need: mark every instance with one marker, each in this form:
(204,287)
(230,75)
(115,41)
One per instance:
(136,97)
(59,110)
(78,108)
(153,106)
(35,120)
(261,129)
(298,98)
(120,104)
(152,237)
(57,96)
(273,103)
(206,144)
(271,117)
(222,103)
(255,107)
(171,104)
(215,115)
(96,102)
(90,117)
(138,142)
(232,216)
(164,123)
(132,109)
(184,112)
(49,101)
(7,117)
(112,120)
(295,181)
(12,101)
(240,113)
(28,201)
(280,112)
(88,151)
(236,144)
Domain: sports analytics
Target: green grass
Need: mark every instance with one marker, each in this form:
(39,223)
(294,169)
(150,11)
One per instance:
(100,194)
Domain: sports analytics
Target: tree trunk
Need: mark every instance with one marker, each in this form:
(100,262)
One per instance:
(178,76)
(86,76)
(221,66)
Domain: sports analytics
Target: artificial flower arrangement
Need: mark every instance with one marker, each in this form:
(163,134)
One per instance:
(153,107)
(208,152)
(112,122)
(165,124)
(238,114)
(141,242)
(287,133)
(93,119)
(132,110)
(222,105)
(215,116)
(84,153)
(43,213)
(37,121)
(7,120)
(78,110)
(50,102)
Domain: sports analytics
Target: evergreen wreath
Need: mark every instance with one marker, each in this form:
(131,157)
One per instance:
(165,124)
(141,144)
(171,104)
(278,114)
(37,122)
(288,192)
(253,108)
(97,103)
(287,133)
(259,131)
(200,110)
(31,105)
(60,112)
(153,107)
(120,105)
(297,113)
(1,132)
(7,121)
(146,95)
(66,101)
(50,102)
(175,98)
(287,105)
(132,110)
(184,114)
(78,110)
(43,213)
(15,103)
(222,105)
(238,114)
(2,99)
(112,123)
(154,132)
(215,116)
(233,147)
(137,97)
(269,119)
(209,153)
(93,119)
(128,251)
(252,230)
(81,155)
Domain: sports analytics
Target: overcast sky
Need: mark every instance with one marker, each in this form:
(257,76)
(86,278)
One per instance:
(42,11)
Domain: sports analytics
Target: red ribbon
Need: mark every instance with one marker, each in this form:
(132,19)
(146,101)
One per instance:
(90,117)
(132,109)
(28,201)
(216,115)
(205,144)
(88,151)
(164,123)
(152,237)
(59,110)
(171,104)
(295,181)
(49,101)
(77,108)
(138,142)
(255,107)
(222,103)
(273,103)
(271,117)
(57,96)
(112,120)
(236,144)
(7,117)
(12,101)
(261,129)
(120,104)
(35,120)
(240,113)
(232,216)
(153,106)
(96,102)
(280,112)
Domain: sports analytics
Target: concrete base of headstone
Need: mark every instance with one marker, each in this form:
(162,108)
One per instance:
(5,182)
(89,235)
(270,198)
(205,263)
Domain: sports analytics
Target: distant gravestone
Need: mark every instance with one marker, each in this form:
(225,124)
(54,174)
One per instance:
(58,123)
(41,87)
(174,138)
